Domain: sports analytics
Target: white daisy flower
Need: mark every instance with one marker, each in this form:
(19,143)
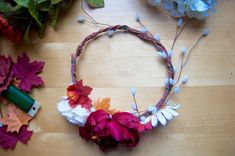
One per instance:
(162,115)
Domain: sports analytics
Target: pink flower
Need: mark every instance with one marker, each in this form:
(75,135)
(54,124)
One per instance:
(78,95)
(108,131)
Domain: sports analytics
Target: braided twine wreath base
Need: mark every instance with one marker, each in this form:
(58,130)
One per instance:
(108,127)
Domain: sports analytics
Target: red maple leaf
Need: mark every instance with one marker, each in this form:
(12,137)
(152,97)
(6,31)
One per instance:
(8,140)
(78,94)
(28,72)
(5,72)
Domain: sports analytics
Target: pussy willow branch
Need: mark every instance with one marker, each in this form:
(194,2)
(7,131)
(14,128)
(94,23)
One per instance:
(181,69)
(172,94)
(190,51)
(179,30)
(137,109)
(184,63)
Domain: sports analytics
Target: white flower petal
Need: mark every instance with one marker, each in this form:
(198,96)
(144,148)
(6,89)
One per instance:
(64,97)
(68,114)
(175,106)
(152,109)
(63,106)
(73,121)
(81,120)
(161,118)
(80,111)
(201,6)
(154,120)
(167,115)
(174,113)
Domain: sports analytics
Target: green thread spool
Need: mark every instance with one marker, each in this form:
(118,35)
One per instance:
(22,100)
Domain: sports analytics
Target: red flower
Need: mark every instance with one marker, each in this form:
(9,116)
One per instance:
(78,95)
(5,72)
(108,132)
(9,32)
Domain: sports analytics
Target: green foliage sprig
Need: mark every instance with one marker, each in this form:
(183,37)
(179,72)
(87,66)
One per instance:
(32,14)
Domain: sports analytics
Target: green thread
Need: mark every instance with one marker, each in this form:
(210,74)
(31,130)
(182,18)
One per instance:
(19,98)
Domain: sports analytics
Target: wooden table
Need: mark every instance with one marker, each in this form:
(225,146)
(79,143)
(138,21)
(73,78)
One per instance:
(206,125)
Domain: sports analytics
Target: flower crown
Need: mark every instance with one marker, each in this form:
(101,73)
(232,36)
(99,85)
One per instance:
(109,127)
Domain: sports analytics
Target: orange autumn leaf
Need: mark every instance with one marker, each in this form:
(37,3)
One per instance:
(104,105)
(15,118)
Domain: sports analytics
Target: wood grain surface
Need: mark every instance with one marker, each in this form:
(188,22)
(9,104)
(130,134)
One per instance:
(206,125)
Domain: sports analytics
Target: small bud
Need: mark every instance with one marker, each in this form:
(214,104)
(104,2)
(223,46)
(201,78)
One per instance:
(157,37)
(180,22)
(80,19)
(162,54)
(137,18)
(134,106)
(169,53)
(177,89)
(142,118)
(185,79)
(171,81)
(144,30)
(166,81)
(133,91)
(110,33)
(183,50)
(205,32)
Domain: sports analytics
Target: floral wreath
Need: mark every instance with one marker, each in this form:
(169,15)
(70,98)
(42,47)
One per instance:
(109,127)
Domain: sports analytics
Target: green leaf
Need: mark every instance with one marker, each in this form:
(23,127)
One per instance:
(24,3)
(54,13)
(55,1)
(5,8)
(95,3)
(41,30)
(44,5)
(26,34)
(41,1)
(33,11)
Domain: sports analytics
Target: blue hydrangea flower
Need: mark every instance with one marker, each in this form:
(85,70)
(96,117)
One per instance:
(198,9)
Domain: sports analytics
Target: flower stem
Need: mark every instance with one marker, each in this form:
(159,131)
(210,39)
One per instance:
(137,109)
(94,21)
